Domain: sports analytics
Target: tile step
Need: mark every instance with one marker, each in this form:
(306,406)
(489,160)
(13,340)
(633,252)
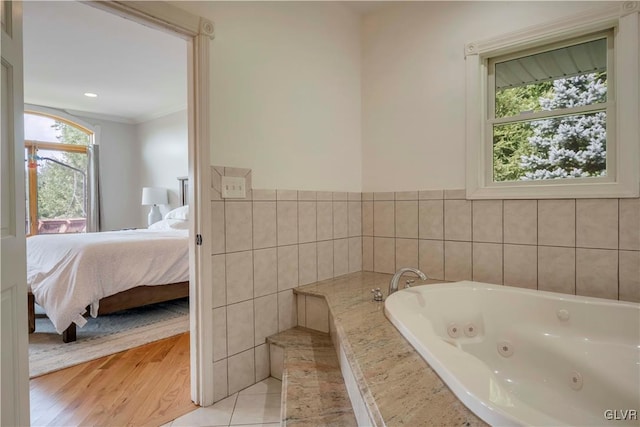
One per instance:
(313,390)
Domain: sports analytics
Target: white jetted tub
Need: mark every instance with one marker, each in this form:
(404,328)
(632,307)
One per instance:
(523,357)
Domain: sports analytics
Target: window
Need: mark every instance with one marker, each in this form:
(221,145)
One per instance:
(549,110)
(56,175)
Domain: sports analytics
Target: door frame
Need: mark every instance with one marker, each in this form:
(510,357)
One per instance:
(197,32)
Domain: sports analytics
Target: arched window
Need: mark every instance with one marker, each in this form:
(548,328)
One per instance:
(56,164)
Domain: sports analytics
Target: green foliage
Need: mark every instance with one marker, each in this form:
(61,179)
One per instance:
(61,191)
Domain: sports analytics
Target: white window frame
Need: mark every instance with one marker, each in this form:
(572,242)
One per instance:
(623,152)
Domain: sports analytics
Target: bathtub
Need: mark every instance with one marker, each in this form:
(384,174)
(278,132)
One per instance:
(523,357)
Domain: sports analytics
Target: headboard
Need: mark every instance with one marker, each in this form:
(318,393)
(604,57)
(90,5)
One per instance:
(184,190)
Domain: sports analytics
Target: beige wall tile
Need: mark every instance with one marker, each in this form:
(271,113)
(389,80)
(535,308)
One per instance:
(317,314)
(521,266)
(264,225)
(383,219)
(307,263)
(521,222)
(241,371)
(238,226)
(367,218)
(355,219)
(630,224)
(217,228)
(276,358)
(556,269)
(431,195)
(265,272)
(629,275)
(240,327)
(307,222)
(287,220)
(287,267)
(557,222)
(407,219)
(355,254)
(239,268)
(219,333)
(287,310)
(216,176)
(325,259)
(384,256)
(220,381)
(307,195)
(597,223)
(406,195)
(367,196)
(367,253)
(487,221)
(487,263)
(266,317)
(324,195)
(219,279)
(354,196)
(341,196)
(264,195)
(431,219)
(384,196)
(457,220)
(286,195)
(431,258)
(457,261)
(301,302)
(597,273)
(340,257)
(340,220)
(455,194)
(406,253)
(262,362)
(325,220)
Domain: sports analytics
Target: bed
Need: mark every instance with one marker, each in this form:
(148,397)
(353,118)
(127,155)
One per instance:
(70,274)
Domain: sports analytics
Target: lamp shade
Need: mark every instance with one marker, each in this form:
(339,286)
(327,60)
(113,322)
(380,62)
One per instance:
(154,196)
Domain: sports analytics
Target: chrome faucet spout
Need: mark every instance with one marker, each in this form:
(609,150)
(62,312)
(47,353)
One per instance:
(393,284)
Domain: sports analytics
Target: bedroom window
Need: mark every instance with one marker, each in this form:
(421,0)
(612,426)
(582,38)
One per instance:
(552,110)
(56,175)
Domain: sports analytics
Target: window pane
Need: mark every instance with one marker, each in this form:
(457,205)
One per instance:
(47,129)
(570,146)
(561,78)
(61,192)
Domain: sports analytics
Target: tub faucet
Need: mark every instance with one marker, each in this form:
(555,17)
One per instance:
(393,284)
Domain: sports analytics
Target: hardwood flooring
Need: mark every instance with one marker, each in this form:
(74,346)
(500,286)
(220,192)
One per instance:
(143,386)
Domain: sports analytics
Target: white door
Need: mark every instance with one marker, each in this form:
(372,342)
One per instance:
(14,394)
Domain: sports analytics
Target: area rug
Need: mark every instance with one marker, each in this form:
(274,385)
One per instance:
(105,335)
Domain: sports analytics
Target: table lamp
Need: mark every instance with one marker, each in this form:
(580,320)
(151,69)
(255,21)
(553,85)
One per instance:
(154,196)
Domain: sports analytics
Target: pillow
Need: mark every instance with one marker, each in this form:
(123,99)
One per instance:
(169,225)
(181,213)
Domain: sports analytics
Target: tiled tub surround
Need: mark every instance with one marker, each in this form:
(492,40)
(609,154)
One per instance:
(264,246)
(588,247)
(397,386)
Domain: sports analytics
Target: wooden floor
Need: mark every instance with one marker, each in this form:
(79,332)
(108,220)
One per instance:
(144,386)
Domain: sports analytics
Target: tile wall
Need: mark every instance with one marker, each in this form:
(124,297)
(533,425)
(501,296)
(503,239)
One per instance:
(587,247)
(263,247)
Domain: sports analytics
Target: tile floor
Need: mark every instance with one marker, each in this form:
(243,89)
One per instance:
(258,405)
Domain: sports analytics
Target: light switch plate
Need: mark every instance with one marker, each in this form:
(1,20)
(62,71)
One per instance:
(233,187)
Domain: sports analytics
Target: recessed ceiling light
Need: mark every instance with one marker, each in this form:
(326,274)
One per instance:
(91,95)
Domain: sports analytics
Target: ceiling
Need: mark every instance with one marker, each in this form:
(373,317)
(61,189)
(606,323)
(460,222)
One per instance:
(70,48)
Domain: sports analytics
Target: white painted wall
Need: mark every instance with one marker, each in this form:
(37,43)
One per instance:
(119,160)
(285,92)
(164,156)
(413,85)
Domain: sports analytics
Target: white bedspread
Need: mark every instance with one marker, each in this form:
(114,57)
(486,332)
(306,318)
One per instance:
(68,272)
